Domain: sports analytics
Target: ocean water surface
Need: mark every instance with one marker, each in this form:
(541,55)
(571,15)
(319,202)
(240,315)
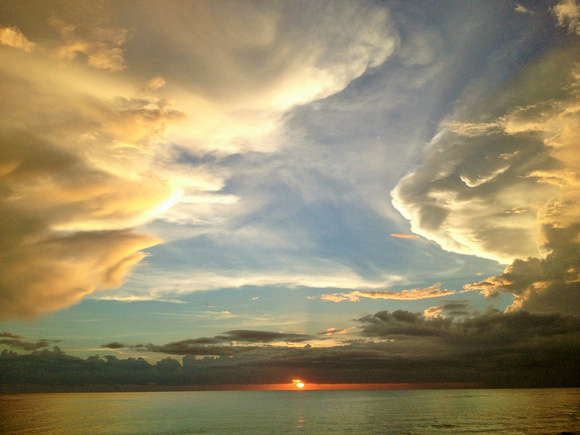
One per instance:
(509,411)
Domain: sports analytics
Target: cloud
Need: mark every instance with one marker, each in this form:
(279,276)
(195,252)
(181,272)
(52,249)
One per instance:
(542,285)
(332,331)
(15,341)
(490,330)
(64,211)
(251,336)
(139,298)
(76,176)
(100,45)
(13,37)
(401,322)
(453,308)
(522,9)
(405,236)
(407,295)
(492,349)
(154,84)
(568,15)
(215,345)
(508,189)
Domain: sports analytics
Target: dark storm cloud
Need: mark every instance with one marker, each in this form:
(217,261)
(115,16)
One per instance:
(492,326)
(400,322)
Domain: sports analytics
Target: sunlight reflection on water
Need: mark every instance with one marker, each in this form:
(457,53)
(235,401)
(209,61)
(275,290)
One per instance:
(253,412)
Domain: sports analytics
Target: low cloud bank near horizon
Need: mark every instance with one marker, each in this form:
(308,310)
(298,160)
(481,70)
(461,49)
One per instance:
(493,349)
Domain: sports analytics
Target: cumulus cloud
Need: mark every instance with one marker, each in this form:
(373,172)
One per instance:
(492,328)
(508,189)
(401,322)
(568,15)
(433,291)
(13,37)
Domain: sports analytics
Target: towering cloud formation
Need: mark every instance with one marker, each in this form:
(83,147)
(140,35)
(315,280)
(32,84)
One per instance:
(74,178)
(86,155)
(504,183)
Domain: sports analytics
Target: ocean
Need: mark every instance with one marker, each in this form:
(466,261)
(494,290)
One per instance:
(505,411)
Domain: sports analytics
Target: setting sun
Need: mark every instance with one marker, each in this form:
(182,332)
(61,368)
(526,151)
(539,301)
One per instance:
(298,383)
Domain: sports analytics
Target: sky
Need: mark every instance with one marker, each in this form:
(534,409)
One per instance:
(341,191)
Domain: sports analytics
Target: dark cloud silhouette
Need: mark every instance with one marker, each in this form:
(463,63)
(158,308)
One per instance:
(263,336)
(15,341)
(494,349)
(400,322)
(214,345)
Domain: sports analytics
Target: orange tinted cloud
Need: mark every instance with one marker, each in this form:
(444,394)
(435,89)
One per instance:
(13,37)
(405,236)
(408,295)
(76,177)
(332,331)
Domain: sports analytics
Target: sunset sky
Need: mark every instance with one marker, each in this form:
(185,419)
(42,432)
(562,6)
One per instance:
(309,186)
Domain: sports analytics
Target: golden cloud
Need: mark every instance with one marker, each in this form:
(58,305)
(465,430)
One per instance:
(13,37)
(433,291)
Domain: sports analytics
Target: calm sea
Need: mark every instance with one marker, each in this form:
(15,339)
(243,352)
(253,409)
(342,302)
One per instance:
(542,411)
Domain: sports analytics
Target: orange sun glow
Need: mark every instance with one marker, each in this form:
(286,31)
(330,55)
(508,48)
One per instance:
(298,383)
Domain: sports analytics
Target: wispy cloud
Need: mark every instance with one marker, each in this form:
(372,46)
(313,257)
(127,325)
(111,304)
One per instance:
(100,45)
(522,9)
(405,295)
(139,298)
(405,236)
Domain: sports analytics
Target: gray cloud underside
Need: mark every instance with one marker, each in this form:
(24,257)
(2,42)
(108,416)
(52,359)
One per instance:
(493,349)
(211,345)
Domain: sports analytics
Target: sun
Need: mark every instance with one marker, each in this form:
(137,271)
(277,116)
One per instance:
(298,383)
